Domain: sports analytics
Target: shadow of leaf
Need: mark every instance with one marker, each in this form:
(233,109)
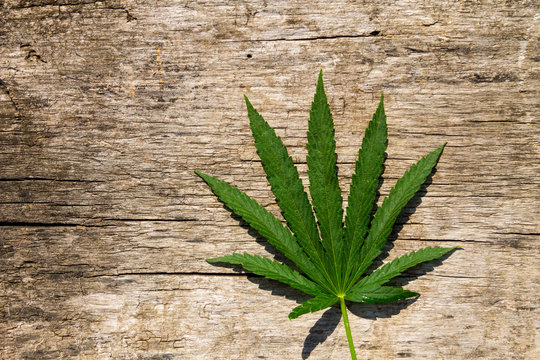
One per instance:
(323,328)
(375,311)
(278,289)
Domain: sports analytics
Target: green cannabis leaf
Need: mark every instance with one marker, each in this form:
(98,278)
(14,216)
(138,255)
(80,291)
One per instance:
(331,255)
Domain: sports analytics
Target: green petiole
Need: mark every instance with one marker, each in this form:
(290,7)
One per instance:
(347,327)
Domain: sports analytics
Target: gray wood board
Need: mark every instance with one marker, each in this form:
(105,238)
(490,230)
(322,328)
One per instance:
(107,107)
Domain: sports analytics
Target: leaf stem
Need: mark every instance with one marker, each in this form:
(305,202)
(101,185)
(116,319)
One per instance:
(347,327)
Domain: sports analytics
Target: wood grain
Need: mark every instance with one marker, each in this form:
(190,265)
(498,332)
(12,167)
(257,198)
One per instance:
(107,107)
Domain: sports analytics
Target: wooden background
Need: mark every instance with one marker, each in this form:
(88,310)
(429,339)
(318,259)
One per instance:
(107,107)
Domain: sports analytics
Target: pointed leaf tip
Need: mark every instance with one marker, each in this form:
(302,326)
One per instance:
(380,107)
(200,174)
(320,83)
(439,152)
(250,108)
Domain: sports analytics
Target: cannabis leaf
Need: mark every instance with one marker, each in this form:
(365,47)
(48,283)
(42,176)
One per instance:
(331,255)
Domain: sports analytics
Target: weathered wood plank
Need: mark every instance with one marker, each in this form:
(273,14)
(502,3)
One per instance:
(106,107)
(173,317)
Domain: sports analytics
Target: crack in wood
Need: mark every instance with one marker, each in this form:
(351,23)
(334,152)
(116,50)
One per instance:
(314,38)
(54,3)
(42,224)
(169,273)
(518,233)
(93,224)
(430,24)
(51,179)
(150,219)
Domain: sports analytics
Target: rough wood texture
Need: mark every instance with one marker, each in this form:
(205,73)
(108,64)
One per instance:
(106,107)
